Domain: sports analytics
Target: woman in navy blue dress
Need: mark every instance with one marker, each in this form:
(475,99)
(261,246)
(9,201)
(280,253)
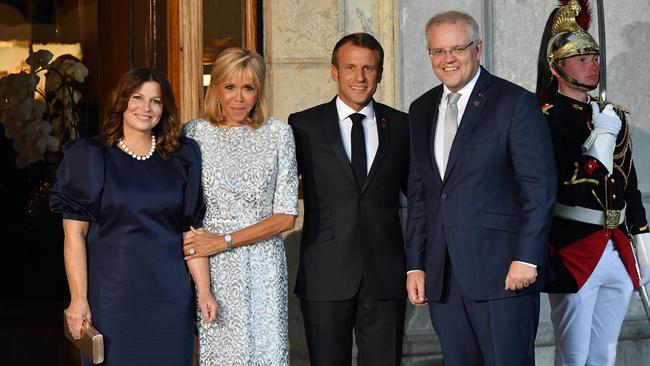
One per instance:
(126,199)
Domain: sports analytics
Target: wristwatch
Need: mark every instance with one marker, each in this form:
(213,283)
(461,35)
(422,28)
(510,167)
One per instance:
(228,239)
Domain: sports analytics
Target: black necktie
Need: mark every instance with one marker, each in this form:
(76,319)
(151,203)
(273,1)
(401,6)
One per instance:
(358,142)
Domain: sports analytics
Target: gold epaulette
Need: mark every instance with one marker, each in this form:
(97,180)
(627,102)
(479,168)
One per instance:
(617,106)
(621,108)
(546,107)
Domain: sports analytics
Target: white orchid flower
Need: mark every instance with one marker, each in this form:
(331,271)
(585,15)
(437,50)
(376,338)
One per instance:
(7,91)
(23,111)
(30,115)
(40,132)
(39,59)
(76,95)
(38,108)
(37,128)
(79,72)
(52,80)
(47,143)
(14,128)
(25,85)
(27,152)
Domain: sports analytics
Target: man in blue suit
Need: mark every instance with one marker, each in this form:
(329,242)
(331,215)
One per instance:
(481,191)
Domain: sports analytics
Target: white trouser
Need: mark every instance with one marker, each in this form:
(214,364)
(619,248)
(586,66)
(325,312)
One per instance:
(586,324)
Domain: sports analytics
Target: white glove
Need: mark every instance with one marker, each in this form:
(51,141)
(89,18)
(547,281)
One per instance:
(645,275)
(607,119)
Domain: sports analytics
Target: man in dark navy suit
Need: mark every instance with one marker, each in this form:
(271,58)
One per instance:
(352,155)
(480,198)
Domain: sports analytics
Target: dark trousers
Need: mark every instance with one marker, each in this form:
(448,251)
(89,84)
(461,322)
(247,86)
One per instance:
(497,332)
(378,328)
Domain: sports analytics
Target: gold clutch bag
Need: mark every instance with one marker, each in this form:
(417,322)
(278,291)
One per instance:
(91,342)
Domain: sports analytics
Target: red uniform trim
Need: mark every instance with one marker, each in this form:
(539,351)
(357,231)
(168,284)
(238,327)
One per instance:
(590,166)
(624,248)
(581,257)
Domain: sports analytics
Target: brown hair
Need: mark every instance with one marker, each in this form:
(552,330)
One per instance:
(230,62)
(363,40)
(167,131)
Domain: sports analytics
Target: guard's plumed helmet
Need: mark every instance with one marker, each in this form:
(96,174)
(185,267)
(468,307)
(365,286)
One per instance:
(568,39)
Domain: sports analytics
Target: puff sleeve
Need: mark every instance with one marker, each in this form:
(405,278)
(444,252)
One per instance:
(79,183)
(188,160)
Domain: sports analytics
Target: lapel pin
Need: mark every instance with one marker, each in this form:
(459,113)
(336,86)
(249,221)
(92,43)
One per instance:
(476,102)
(384,122)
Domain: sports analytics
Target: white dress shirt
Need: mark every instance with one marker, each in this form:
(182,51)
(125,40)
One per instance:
(439,139)
(369,130)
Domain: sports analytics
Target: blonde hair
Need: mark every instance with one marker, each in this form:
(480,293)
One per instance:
(230,62)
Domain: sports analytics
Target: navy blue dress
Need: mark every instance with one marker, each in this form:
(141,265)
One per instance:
(138,284)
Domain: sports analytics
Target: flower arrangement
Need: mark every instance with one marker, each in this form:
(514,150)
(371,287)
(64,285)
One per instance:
(41,120)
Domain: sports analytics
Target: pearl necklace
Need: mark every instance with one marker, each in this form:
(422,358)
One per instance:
(126,149)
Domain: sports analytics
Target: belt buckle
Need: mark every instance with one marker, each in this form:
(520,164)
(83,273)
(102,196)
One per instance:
(613,218)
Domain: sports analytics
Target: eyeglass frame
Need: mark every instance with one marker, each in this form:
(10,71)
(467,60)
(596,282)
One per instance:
(456,51)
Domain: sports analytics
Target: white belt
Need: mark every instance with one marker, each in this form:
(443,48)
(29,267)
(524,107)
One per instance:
(609,218)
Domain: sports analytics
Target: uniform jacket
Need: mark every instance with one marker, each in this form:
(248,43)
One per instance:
(576,247)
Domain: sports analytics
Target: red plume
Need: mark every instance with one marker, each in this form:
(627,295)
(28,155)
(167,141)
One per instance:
(584,18)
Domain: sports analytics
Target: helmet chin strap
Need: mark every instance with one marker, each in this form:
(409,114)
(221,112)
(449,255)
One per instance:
(571,80)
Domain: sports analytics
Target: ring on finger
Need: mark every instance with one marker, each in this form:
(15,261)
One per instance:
(192,251)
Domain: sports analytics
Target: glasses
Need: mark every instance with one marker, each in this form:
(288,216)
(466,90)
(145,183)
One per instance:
(456,51)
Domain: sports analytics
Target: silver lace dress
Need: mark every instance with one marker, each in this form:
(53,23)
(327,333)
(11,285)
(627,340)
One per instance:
(247,176)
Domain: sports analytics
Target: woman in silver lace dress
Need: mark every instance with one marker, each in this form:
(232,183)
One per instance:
(250,187)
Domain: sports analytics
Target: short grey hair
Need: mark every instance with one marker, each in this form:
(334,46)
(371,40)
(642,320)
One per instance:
(453,17)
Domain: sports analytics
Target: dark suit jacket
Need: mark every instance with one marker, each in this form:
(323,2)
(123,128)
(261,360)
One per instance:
(349,232)
(496,200)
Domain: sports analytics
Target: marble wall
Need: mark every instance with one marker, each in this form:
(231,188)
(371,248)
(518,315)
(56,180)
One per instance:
(299,37)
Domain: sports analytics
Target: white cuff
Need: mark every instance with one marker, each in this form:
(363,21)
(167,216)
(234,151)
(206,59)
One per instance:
(600,145)
(414,270)
(528,264)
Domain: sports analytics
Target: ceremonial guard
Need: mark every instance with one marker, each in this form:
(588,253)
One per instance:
(598,206)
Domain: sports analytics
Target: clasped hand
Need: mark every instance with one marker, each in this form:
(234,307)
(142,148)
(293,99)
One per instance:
(520,276)
(77,313)
(607,119)
(200,243)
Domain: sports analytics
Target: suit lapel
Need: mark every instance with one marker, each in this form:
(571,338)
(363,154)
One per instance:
(383,133)
(332,130)
(477,101)
(431,119)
